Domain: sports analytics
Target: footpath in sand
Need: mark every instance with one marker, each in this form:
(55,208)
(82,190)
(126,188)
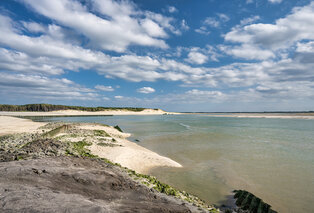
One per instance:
(103,141)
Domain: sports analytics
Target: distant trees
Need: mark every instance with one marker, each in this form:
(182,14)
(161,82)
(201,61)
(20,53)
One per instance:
(51,107)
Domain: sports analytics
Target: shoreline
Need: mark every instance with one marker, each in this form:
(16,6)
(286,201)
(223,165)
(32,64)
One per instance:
(110,143)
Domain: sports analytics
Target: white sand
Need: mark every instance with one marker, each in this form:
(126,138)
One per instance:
(76,112)
(130,154)
(10,125)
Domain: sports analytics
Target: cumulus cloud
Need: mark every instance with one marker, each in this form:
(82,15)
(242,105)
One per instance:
(104,88)
(35,87)
(146,90)
(43,45)
(247,51)
(195,57)
(123,27)
(285,49)
(284,33)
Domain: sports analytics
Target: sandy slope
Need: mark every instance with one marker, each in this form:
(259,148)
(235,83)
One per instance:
(78,113)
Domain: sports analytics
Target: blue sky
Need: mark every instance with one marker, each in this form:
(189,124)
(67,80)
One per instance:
(179,55)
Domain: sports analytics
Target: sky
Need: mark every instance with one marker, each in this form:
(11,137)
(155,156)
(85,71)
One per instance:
(178,55)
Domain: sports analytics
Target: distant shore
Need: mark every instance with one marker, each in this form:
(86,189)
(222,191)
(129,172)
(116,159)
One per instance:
(292,115)
(87,113)
(266,115)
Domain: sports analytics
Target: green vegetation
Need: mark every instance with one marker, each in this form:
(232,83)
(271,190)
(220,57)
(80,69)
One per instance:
(79,149)
(152,182)
(101,133)
(249,202)
(118,128)
(51,107)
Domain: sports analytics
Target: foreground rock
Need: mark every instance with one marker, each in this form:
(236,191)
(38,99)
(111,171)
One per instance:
(71,184)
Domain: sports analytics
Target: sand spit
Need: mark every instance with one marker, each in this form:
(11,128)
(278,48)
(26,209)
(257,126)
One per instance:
(265,115)
(105,141)
(86,113)
(11,125)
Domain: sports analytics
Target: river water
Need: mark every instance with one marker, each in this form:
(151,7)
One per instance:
(272,158)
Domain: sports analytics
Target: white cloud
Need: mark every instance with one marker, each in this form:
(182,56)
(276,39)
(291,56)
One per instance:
(249,20)
(195,57)
(153,29)
(184,25)
(146,90)
(223,17)
(35,87)
(34,27)
(44,45)
(247,51)
(281,35)
(211,22)
(275,1)
(123,27)
(118,97)
(216,21)
(172,9)
(104,88)
(202,30)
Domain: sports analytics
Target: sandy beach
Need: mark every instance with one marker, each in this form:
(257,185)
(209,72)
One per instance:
(87,113)
(122,151)
(11,125)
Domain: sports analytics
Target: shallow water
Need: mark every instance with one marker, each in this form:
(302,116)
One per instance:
(272,158)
